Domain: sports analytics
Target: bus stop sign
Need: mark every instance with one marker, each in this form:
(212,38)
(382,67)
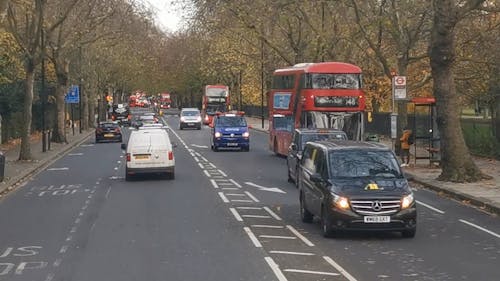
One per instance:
(399,87)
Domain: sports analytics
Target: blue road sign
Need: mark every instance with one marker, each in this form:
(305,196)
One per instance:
(73,96)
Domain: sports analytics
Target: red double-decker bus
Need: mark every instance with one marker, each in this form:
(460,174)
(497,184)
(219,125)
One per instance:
(315,95)
(215,99)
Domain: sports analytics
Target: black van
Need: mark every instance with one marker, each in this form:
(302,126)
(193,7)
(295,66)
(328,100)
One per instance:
(353,185)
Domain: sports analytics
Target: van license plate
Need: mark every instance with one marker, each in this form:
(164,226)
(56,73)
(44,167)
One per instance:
(141,157)
(109,135)
(232,144)
(377,219)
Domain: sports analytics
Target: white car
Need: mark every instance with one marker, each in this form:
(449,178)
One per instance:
(190,118)
(149,152)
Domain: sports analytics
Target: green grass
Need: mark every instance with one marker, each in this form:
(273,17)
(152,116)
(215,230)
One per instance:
(480,140)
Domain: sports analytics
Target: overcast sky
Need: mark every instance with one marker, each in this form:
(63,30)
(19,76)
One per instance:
(168,15)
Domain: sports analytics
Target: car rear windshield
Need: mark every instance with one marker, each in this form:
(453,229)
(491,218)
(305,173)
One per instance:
(226,121)
(362,163)
(190,113)
(322,136)
(108,125)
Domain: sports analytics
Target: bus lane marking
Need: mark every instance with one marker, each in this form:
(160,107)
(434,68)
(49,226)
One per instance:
(242,201)
(206,173)
(252,197)
(223,197)
(301,237)
(292,253)
(235,183)
(278,237)
(214,184)
(267,226)
(311,272)
(256,216)
(222,173)
(339,268)
(273,214)
(252,237)
(236,214)
(275,268)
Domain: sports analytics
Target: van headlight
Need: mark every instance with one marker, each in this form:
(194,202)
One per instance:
(407,201)
(340,202)
(218,134)
(246,134)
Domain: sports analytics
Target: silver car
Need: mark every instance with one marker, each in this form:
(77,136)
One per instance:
(190,118)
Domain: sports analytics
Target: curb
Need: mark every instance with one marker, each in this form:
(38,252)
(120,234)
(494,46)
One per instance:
(40,166)
(478,202)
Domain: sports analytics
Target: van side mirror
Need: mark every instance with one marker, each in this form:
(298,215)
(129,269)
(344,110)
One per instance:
(316,178)
(124,146)
(250,127)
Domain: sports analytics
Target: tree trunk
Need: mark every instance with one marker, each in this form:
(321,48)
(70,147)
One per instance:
(457,163)
(25,152)
(85,108)
(92,105)
(59,134)
(4,5)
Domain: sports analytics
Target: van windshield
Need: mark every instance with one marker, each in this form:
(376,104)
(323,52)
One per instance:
(362,163)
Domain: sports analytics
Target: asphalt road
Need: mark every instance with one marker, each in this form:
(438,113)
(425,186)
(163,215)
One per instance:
(228,215)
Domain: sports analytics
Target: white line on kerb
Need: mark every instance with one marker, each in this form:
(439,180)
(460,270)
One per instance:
(481,228)
(214,184)
(235,183)
(430,207)
(273,214)
(206,173)
(292,253)
(254,239)
(311,272)
(252,197)
(235,214)
(201,166)
(302,237)
(223,197)
(222,173)
(339,268)
(275,269)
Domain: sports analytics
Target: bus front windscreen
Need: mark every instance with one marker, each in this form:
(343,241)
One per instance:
(216,92)
(349,122)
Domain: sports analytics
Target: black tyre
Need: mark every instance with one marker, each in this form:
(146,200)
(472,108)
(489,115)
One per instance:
(409,233)
(305,215)
(288,172)
(297,176)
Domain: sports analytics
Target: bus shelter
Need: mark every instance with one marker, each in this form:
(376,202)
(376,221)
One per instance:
(425,130)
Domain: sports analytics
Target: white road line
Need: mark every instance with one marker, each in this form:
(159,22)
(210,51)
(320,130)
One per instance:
(89,197)
(214,184)
(276,269)
(430,207)
(235,183)
(311,272)
(77,221)
(201,166)
(225,183)
(223,180)
(86,145)
(254,239)
(107,192)
(256,216)
(252,197)
(63,249)
(58,169)
(215,167)
(84,207)
(196,159)
(481,228)
(206,173)
(80,214)
(75,154)
(242,200)
(217,176)
(266,226)
(235,214)
(230,188)
(116,168)
(69,238)
(222,173)
(298,234)
(197,153)
(73,229)
(249,208)
(87,202)
(278,237)
(273,214)
(292,253)
(339,268)
(223,197)
(57,263)
(235,194)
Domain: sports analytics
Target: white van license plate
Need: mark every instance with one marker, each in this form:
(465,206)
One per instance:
(377,219)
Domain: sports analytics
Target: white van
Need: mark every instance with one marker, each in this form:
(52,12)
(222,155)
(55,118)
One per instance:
(149,151)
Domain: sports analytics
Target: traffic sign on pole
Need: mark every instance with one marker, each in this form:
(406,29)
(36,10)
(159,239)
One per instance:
(399,87)
(73,96)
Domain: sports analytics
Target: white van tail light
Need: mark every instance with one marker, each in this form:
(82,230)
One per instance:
(128,157)
(170,155)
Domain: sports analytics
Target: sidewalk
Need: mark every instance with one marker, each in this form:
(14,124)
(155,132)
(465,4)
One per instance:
(484,195)
(16,172)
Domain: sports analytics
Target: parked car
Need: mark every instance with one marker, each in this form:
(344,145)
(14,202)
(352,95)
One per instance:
(230,130)
(355,186)
(149,152)
(190,118)
(108,131)
(299,139)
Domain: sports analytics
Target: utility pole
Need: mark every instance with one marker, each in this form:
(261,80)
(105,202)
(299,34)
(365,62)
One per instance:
(80,86)
(43,96)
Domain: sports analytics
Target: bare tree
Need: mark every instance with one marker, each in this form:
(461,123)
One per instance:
(457,163)
(4,5)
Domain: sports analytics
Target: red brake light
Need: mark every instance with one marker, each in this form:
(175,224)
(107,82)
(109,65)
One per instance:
(128,157)
(170,155)
(113,117)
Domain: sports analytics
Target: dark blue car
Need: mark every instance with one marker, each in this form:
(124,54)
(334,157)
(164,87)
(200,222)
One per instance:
(230,131)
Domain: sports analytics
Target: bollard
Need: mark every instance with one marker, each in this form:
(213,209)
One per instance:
(2,166)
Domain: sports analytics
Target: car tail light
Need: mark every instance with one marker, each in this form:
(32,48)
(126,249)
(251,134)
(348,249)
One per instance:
(128,157)
(170,155)
(113,117)
(206,117)
(129,117)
